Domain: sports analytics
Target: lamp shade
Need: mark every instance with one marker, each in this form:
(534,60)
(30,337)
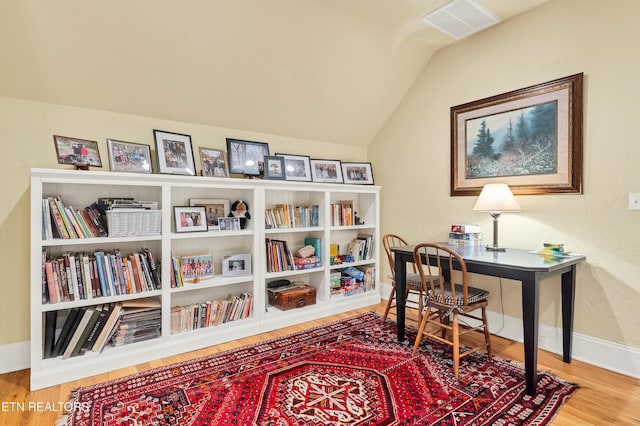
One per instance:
(496,197)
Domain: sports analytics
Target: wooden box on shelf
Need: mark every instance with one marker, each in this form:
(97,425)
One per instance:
(291,296)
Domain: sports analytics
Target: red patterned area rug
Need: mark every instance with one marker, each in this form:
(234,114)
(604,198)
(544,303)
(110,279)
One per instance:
(349,372)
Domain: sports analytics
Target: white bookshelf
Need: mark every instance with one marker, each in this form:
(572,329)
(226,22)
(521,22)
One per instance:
(81,188)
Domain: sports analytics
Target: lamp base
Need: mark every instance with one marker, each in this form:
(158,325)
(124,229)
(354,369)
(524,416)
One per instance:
(495,248)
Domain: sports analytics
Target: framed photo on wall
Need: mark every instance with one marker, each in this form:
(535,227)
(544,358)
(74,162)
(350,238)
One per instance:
(296,167)
(77,152)
(329,171)
(246,157)
(213,162)
(175,153)
(214,209)
(530,139)
(357,173)
(190,218)
(129,156)
(274,167)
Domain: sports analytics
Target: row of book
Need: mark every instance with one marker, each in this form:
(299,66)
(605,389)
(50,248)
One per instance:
(361,248)
(91,328)
(211,313)
(463,235)
(280,258)
(60,221)
(78,276)
(352,280)
(342,213)
(292,216)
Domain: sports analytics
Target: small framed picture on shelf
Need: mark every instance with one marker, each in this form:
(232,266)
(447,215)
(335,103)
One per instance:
(229,223)
(246,157)
(194,269)
(296,167)
(237,265)
(175,153)
(274,167)
(129,156)
(326,171)
(213,162)
(357,173)
(214,210)
(81,153)
(190,218)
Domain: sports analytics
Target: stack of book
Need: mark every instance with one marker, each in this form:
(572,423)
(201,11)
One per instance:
(139,320)
(462,235)
(78,276)
(292,216)
(210,313)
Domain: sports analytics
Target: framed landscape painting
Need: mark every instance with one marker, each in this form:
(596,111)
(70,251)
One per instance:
(530,139)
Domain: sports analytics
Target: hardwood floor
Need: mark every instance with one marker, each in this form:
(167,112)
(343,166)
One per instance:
(604,398)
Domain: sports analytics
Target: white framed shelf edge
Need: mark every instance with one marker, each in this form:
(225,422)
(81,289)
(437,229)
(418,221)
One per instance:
(86,186)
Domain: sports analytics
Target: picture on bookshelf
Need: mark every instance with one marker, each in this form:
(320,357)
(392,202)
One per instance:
(357,173)
(77,152)
(194,269)
(214,209)
(229,223)
(274,167)
(190,218)
(246,157)
(129,156)
(296,167)
(213,162)
(326,171)
(175,153)
(237,265)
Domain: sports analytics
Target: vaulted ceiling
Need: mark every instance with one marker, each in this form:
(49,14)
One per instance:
(330,70)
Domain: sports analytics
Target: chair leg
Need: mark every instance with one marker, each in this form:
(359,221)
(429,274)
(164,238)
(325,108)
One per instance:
(423,324)
(389,303)
(456,344)
(487,335)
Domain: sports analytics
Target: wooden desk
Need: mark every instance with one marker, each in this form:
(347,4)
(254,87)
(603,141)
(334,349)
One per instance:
(521,265)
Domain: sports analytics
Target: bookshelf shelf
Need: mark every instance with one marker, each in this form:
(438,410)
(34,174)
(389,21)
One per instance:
(81,188)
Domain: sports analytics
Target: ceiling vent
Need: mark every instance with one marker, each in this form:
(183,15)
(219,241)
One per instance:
(460,18)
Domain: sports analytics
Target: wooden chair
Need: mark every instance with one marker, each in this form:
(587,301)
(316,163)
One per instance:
(445,303)
(413,281)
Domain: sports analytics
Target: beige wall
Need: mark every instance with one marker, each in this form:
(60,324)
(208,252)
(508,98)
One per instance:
(26,138)
(563,37)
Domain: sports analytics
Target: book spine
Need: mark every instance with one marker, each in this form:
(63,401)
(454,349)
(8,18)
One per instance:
(57,219)
(101,273)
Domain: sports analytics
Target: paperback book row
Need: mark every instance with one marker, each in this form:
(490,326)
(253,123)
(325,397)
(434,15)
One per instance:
(291,216)
(125,216)
(462,235)
(352,280)
(280,258)
(211,313)
(91,328)
(80,276)
(360,248)
(342,214)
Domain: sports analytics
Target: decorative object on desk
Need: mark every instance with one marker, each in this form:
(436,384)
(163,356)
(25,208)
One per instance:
(213,162)
(496,198)
(190,218)
(246,157)
(229,224)
(355,360)
(296,167)
(194,269)
(237,265)
(328,171)
(175,153)
(529,138)
(81,153)
(214,209)
(129,156)
(274,167)
(240,209)
(357,173)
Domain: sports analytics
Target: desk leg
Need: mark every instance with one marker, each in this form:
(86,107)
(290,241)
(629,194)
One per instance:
(530,303)
(400,267)
(568,297)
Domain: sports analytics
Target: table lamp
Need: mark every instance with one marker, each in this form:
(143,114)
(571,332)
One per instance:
(496,198)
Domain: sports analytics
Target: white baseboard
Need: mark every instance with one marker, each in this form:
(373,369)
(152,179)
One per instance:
(14,356)
(601,353)
(604,354)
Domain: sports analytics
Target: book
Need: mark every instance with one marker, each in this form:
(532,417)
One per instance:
(68,328)
(49,333)
(109,326)
(103,314)
(316,243)
(464,228)
(82,332)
